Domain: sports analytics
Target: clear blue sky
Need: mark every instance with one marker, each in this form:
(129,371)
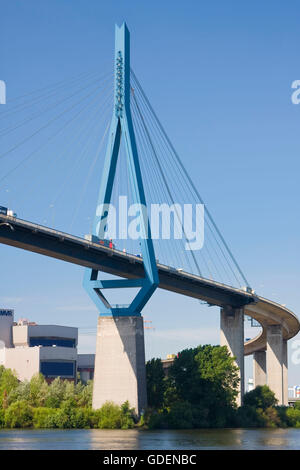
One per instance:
(219,76)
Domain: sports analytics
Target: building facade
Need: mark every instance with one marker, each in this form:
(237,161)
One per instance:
(29,348)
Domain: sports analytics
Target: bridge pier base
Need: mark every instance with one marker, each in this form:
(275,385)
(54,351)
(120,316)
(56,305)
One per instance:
(277,363)
(232,336)
(120,371)
(260,368)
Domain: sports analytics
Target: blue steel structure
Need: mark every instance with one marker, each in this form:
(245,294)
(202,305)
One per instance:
(122,126)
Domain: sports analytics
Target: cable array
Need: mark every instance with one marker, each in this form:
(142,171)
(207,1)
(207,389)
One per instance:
(170,182)
(51,142)
(53,145)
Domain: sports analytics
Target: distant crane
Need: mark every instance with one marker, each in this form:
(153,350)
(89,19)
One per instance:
(150,327)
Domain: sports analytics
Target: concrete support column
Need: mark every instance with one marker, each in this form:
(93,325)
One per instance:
(285,383)
(120,371)
(260,368)
(277,363)
(232,336)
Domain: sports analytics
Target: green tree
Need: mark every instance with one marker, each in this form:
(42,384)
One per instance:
(184,378)
(38,390)
(21,392)
(69,392)
(156,383)
(2,369)
(55,393)
(84,393)
(8,382)
(207,378)
(218,369)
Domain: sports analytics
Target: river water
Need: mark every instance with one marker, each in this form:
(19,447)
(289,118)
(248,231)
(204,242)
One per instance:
(93,439)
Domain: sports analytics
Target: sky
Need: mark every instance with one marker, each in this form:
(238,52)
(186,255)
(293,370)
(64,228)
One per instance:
(219,77)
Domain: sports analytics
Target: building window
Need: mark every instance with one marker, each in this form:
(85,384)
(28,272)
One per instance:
(43,341)
(55,369)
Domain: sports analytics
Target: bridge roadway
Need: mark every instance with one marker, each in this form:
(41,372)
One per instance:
(49,242)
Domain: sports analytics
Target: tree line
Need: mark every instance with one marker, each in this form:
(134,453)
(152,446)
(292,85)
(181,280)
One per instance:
(60,404)
(199,391)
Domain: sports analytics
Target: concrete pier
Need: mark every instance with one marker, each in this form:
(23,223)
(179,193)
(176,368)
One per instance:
(232,336)
(260,368)
(120,372)
(277,363)
(285,382)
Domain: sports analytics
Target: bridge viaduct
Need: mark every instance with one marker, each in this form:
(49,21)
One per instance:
(278,323)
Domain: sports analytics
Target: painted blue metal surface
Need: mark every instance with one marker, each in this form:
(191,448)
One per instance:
(122,127)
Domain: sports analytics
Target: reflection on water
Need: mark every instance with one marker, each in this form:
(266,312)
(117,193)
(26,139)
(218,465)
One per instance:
(94,439)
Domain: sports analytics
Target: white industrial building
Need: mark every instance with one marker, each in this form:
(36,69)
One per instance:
(28,348)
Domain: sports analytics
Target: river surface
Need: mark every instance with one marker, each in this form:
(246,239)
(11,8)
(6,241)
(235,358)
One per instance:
(93,439)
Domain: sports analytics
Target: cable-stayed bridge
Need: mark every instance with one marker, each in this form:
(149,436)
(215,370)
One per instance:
(141,163)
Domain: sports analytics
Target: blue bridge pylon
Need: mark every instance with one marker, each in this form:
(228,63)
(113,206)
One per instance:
(122,126)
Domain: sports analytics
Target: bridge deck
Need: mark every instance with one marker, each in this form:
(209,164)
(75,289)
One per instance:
(49,242)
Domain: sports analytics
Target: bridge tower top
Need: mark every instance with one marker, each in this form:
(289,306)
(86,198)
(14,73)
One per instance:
(122,70)
(121,125)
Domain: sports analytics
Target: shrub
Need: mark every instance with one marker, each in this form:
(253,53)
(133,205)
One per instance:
(81,418)
(261,397)
(293,417)
(246,417)
(109,416)
(156,419)
(282,414)
(271,418)
(112,416)
(19,415)
(180,416)
(297,405)
(2,418)
(200,417)
(44,418)
(65,416)
(127,414)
